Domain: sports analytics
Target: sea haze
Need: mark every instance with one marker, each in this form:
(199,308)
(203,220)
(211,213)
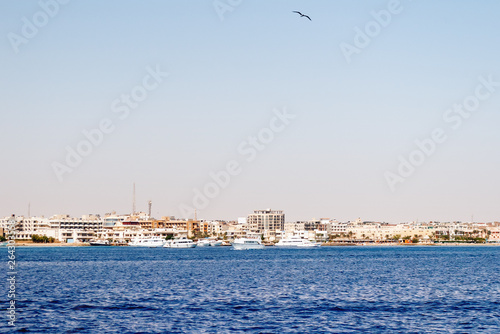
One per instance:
(220,290)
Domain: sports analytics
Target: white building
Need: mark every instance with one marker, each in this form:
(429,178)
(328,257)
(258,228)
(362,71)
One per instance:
(338,228)
(262,220)
(87,222)
(495,234)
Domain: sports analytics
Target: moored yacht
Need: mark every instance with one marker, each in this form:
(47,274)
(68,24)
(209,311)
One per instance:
(180,243)
(296,242)
(208,242)
(246,243)
(215,243)
(153,242)
(100,243)
(203,243)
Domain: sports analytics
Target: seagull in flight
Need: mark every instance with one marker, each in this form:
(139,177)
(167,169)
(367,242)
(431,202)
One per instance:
(302,15)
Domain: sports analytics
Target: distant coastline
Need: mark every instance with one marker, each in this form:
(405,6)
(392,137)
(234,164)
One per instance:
(450,244)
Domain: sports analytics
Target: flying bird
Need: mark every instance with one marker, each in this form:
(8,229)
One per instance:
(302,15)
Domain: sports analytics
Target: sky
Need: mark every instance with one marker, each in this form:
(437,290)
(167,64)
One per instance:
(383,110)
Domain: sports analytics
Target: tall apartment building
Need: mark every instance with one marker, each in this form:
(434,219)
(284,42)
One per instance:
(265,220)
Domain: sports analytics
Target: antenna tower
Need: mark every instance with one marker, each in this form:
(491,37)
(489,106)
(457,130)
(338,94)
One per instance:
(133,201)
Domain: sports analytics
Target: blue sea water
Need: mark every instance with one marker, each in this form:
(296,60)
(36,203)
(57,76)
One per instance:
(220,290)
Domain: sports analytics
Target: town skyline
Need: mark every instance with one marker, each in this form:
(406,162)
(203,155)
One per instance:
(140,214)
(268,225)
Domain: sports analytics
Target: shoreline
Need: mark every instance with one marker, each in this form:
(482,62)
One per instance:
(457,244)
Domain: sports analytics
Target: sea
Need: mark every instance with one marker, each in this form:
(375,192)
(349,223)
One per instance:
(365,289)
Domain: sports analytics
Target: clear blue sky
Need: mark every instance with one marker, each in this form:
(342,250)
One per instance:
(353,120)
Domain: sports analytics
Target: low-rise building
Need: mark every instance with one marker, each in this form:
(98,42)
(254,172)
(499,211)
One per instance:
(209,227)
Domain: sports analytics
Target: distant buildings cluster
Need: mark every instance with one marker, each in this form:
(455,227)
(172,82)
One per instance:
(269,225)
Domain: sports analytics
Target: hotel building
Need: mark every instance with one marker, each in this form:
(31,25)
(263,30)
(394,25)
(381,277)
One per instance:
(264,220)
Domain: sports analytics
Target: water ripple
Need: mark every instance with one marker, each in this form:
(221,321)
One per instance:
(217,290)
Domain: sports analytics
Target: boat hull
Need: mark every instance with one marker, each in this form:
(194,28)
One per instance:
(180,243)
(203,243)
(147,245)
(296,242)
(99,244)
(184,246)
(245,247)
(312,245)
(216,243)
(150,243)
(244,244)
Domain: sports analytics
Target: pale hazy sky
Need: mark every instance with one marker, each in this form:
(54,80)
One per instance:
(230,70)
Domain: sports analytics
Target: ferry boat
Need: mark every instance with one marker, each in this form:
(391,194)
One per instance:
(151,242)
(296,242)
(246,243)
(180,243)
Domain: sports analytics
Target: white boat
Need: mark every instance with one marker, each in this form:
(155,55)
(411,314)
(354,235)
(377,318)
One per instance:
(208,242)
(100,243)
(147,242)
(215,243)
(203,243)
(180,243)
(296,242)
(246,243)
